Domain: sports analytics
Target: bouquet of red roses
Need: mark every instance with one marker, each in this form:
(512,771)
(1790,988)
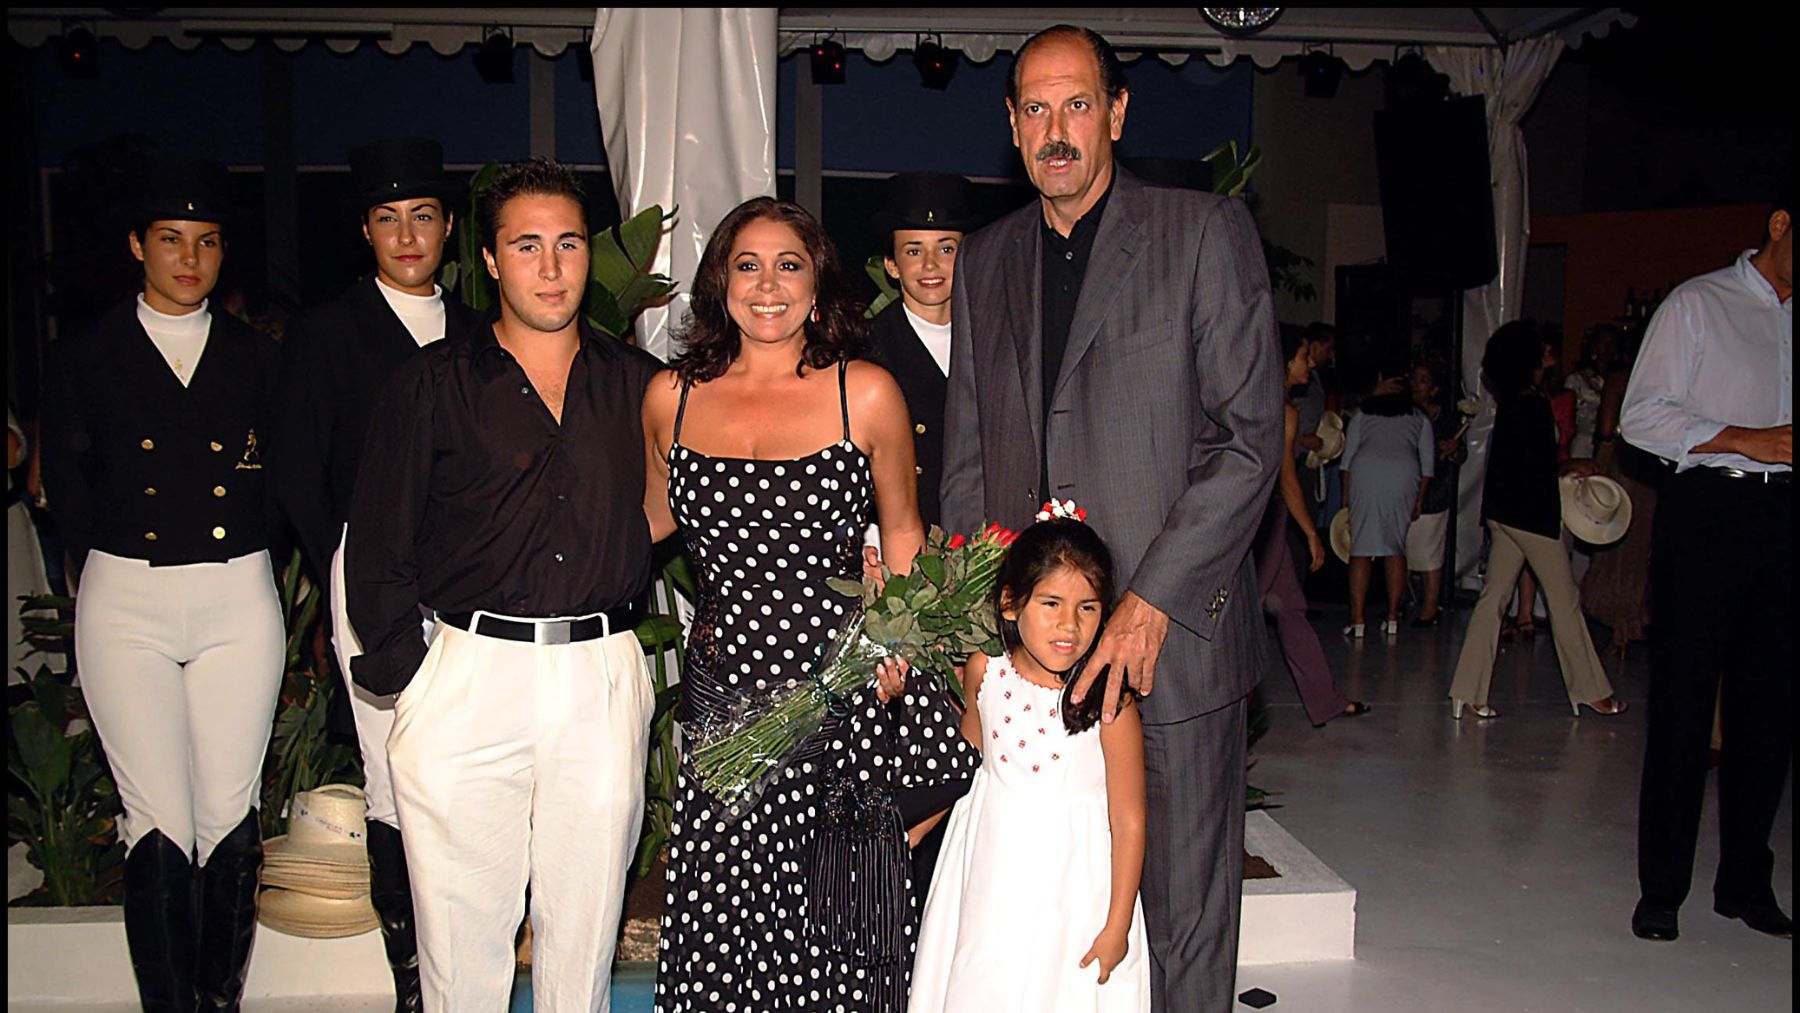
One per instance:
(934,616)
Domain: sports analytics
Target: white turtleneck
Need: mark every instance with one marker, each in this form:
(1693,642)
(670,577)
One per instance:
(935,337)
(423,315)
(180,339)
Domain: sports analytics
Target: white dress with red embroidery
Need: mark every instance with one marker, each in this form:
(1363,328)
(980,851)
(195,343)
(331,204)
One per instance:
(1024,878)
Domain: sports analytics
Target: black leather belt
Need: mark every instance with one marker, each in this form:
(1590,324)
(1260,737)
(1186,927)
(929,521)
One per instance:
(1765,477)
(619,619)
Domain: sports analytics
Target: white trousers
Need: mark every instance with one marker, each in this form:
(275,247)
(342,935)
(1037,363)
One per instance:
(181,667)
(515,762)
(374,714)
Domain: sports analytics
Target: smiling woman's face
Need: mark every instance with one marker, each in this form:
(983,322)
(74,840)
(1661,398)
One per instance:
(771,283)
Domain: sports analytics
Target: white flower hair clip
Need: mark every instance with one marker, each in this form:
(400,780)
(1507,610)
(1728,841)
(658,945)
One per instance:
(1061,509)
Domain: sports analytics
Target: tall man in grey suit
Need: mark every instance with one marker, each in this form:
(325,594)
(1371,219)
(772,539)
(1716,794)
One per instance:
(1115,344)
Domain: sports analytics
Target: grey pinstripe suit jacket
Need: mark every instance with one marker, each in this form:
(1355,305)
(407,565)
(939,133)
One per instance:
(1165,422)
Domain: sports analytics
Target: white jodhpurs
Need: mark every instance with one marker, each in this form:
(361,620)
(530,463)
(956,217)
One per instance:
(515,762)
(374,714)
(181,667)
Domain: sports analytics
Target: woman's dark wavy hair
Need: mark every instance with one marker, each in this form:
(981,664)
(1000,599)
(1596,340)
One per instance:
(1292,337)
(1042,549)
(1512,358)
(709,337)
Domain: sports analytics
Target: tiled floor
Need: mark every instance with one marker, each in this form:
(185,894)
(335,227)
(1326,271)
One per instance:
(1495,862)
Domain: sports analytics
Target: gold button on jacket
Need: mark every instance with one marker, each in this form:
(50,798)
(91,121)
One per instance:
(919,427)
(217,446)
(218,490)
(219,533)
(148,444)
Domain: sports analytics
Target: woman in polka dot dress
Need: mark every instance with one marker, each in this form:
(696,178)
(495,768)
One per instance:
(1034,907)
(768,445)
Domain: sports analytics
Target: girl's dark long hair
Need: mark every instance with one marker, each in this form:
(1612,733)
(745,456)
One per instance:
(1042,549)
(709,337)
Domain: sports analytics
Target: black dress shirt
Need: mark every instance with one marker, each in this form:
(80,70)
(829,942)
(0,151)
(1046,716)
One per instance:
(1065,264)
(478,499)
(333,362)
(139,466)
(1520,490)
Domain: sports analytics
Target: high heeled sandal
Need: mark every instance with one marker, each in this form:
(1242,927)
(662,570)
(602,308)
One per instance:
(1618,707)
(1354,631)
(1390,627)
(1479,710)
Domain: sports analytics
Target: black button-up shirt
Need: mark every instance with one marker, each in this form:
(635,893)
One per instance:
(471,496)
(1065,264)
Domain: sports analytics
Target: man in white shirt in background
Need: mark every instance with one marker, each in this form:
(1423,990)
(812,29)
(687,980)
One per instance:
(1712,395)
(336,358)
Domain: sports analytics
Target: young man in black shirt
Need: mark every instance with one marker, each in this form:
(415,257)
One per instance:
(334,361)
(508,498)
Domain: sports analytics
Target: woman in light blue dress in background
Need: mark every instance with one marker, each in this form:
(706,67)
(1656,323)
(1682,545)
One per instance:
(1387,462)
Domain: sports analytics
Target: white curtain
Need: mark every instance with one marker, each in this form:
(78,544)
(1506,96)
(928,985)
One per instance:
(687,113)
(1510,82)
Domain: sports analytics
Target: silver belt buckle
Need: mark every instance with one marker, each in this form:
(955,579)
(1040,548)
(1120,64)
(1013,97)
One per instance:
(552,634)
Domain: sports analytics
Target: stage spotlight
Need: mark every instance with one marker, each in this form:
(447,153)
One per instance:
(494,60)
(76,53)
(936,64)
(827,62)
(1321,71)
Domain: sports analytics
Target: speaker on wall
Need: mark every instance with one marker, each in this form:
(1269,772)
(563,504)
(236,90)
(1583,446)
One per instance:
(1437,203)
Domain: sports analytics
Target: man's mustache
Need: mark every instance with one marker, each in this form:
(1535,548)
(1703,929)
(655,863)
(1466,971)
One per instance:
(1058,149)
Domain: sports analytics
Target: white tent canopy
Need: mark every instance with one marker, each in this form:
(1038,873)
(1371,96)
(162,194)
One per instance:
(1357,35)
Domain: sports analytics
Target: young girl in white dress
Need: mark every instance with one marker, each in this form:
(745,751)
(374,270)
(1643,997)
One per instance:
(1034,906)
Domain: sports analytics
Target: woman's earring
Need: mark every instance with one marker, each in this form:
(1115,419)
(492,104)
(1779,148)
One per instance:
(815,313)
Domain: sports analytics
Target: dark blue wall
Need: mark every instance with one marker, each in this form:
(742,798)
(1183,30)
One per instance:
(208,101)
(882,120)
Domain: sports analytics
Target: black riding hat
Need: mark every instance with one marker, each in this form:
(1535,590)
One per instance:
(400,169)
(184,189)
(927,200)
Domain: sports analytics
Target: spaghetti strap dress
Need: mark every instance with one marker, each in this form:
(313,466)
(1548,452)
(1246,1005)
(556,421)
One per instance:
(763,536)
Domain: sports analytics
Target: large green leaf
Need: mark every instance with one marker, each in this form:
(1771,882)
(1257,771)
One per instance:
(470,280)
(657,631)
(876,268)
(621,262)
(642,233)
(680,572)
(43,748)
(601,308)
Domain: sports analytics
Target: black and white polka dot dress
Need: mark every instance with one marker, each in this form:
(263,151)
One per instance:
(764,536)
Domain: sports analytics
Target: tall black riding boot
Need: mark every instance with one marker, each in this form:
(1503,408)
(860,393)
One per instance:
(390,890)
(228,883)
(159,923)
